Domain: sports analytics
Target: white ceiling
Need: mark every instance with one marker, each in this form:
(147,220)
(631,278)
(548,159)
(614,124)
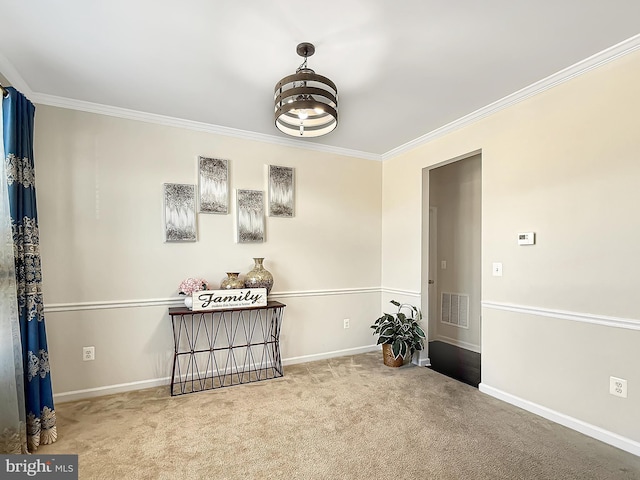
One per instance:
(403,68)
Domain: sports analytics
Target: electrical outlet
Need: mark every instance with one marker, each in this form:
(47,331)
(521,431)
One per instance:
(346,323)
(618,387)
(88,353)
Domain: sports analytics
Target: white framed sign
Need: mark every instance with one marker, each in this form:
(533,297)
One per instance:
(230,298)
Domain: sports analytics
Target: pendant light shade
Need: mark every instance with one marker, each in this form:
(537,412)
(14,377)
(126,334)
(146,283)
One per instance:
(306,104)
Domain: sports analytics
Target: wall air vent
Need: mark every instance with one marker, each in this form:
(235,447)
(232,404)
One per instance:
(454,309)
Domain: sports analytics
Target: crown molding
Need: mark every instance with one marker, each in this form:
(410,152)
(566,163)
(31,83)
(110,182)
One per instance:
(90,107)
(601,58)
(605,56)
(14,78)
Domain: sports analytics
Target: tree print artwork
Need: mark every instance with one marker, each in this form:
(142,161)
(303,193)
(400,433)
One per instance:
(250,216)
(179,212)
(213,185)
(281,191)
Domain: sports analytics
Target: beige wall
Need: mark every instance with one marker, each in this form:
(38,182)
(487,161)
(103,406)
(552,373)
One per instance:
(455,191)
(99,183)
(565,165)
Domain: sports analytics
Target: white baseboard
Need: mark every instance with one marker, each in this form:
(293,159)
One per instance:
(335,353)
(158,382)
(110,389)
(592,431)
(458,343)
(422,362)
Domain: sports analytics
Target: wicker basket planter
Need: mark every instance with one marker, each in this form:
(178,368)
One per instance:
(400,335)
(387,357)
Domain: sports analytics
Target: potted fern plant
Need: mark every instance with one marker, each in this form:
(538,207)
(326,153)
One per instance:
(399,334)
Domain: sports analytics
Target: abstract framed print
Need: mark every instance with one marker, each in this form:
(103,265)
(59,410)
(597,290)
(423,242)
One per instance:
(281,191)
(179,212)
(250,216)
(213,185)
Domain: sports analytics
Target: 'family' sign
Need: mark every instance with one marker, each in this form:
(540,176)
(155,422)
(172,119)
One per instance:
(233,298)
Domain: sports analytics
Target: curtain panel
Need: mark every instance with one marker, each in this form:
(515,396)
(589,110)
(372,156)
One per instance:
(18,121)
(13,430)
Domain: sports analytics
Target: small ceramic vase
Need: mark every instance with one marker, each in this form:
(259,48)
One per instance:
(188,302)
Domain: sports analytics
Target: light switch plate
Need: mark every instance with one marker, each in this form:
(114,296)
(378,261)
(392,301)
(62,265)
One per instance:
(497,269)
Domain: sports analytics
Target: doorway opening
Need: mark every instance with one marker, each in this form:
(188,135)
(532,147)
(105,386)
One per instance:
(452,270)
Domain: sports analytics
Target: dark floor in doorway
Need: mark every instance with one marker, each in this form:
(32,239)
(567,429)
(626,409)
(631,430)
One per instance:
(455,362)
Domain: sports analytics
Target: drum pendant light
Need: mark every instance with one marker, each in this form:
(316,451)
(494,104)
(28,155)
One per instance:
(306,104)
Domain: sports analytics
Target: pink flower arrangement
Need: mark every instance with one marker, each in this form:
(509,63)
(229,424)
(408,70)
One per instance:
(190,285)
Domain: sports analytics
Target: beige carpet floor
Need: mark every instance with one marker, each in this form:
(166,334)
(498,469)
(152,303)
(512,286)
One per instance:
(344,418)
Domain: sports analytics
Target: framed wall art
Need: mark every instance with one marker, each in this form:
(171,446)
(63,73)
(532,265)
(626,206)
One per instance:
(281,191)
(213,185)
(250,216)
(179,212)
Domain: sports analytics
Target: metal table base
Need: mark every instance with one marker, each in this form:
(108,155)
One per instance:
(221,348)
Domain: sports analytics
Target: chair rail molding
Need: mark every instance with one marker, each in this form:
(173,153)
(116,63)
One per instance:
(397,291)
(608,321)
(178,301)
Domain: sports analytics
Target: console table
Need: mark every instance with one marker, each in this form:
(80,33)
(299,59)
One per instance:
(220,348)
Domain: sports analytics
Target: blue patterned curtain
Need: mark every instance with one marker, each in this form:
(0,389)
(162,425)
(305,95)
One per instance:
(18,115)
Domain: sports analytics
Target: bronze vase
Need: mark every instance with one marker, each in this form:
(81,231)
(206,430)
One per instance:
(232,281)
(259,277)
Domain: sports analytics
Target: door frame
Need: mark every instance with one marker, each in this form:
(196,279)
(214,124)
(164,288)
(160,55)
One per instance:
(423,357)
(432,288)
